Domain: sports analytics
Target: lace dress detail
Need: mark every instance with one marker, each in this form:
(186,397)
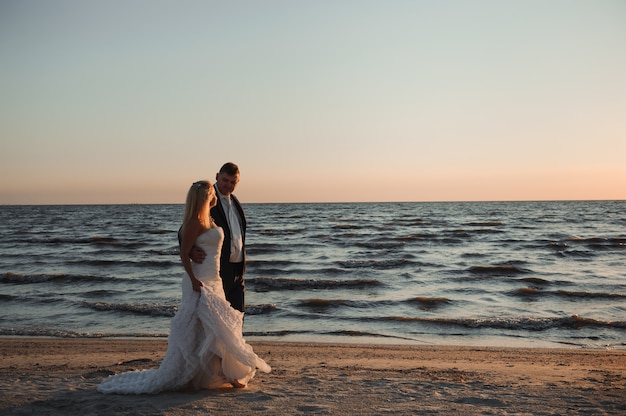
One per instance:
(206,348)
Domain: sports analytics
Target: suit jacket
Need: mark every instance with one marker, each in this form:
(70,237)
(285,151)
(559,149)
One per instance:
(219,216)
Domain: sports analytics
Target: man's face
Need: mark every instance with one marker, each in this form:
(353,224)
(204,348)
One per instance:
(226,183)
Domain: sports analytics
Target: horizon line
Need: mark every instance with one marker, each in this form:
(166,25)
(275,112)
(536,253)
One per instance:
(328,202)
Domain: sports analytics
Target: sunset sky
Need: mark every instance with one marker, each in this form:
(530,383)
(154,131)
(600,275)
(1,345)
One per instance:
(317,101)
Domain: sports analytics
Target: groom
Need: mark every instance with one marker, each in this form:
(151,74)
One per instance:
(229,215)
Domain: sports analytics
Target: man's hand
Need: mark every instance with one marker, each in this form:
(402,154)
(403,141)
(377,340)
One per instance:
(197,255)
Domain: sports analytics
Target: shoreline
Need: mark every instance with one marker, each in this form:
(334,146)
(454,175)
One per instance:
(49,376)
(439,341)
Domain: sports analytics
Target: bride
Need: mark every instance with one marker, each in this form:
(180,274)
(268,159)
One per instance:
(206,348)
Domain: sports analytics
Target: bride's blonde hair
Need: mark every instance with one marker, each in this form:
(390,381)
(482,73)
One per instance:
(198,204)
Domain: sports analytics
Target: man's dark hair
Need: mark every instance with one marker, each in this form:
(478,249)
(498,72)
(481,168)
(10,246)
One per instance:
(229,168)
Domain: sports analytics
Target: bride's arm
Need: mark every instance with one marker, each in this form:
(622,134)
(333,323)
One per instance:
(196,254)
(189,235)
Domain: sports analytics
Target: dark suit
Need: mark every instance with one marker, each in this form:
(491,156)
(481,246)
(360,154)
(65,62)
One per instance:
(231,273)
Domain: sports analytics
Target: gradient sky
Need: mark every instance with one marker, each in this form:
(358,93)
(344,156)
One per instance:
(332,100)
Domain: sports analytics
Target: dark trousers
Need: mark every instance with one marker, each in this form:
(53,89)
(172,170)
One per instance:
(234,285)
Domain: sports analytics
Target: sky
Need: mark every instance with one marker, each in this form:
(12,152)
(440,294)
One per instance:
(131,101)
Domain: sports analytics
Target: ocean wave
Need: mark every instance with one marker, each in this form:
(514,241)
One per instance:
(101,293)
(281,231)
(273,263)
(160,231)
(474,255)
(520,323)
(533,292)
(111,241)
(267,284)
(61,333)
(526,292)
(347,226)
(409,238)
(504,270)
(429,303)
(149,309)
(278,333)
(583,255)
(323,305)
(264,248)
(141,261)
(16,278)
(485,224)
(34,299)
(407,222)
(46,332)
(536,281)
(482,231)
(584,248)
(599,243)
(267,270)
(385,264)
(171,251)
(260,309)
(590,295)
(378,245)
(96,241)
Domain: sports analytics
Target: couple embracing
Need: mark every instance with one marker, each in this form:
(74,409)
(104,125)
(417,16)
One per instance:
(206,348)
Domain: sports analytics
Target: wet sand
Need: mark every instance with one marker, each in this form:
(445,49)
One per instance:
(47,376)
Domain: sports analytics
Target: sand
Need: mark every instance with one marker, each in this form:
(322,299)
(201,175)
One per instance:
(46,376)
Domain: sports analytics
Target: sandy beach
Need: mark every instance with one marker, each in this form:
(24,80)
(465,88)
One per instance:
(47,376)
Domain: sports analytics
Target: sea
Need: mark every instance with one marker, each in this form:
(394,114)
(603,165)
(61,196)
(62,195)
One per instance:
(518,274)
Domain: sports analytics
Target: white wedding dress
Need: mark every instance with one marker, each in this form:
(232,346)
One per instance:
(206,348)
